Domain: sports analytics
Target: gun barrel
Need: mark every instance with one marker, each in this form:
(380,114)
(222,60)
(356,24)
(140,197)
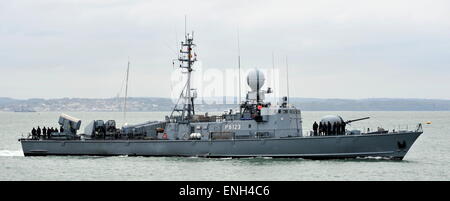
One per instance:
(353,120)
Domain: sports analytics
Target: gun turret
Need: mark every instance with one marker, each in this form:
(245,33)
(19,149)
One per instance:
(353,120)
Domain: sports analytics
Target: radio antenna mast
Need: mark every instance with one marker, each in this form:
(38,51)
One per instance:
(287,79)
(239,65)
(273,74)
(126,93)
(185,26)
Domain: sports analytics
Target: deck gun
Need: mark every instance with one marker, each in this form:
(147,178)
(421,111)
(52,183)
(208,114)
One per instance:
(353,120)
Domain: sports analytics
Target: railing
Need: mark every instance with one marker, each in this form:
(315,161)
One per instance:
(365,130)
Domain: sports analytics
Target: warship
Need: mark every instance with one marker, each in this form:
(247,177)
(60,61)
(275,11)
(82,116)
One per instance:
(256,129)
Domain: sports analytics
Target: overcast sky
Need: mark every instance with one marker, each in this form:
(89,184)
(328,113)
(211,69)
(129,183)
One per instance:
(336,49)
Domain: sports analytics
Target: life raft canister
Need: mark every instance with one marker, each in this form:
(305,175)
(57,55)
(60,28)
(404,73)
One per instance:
(164,136)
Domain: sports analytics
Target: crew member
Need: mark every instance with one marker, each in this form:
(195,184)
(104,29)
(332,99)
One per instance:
(38,132)
(338,128)
(334,128)
(328,128)
(49,132)
(320,128)
(315,127)
(33,133)
(44,132)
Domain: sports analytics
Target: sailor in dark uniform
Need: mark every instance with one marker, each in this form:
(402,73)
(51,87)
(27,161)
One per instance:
(333,129)
(320,128)
(328,128)
(44,132)
(33,133)
(38,132)
(315,127)
(338,128)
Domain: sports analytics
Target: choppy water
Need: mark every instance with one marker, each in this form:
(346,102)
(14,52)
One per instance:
(429,158)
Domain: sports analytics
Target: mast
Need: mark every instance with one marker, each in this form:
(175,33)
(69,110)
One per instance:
(187,59)
(273,73)
(239,67)
(126,93)
(287,79)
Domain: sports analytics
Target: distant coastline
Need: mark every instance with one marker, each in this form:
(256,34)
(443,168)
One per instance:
(145,104)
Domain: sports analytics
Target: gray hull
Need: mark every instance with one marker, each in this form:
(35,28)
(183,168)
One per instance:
(321,147)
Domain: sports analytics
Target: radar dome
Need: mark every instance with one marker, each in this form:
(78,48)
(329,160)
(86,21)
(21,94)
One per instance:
(255,79)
